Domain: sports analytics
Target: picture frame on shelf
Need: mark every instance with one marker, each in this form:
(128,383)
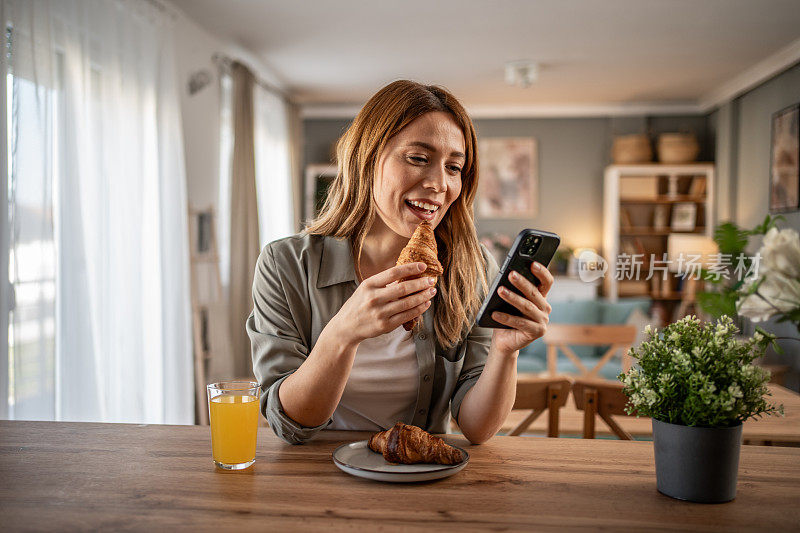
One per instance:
(684,216)
(784,172)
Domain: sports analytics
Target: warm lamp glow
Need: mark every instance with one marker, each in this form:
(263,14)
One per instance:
(690,245)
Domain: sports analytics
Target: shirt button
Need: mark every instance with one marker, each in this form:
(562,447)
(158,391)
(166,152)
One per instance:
(422,336)
(427,377)
(421,411)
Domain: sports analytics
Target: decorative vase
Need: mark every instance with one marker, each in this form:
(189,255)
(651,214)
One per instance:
(697,464)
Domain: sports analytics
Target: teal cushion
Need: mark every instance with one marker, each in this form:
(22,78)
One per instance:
(618,312)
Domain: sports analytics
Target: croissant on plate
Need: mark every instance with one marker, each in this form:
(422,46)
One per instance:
(421,248)
(406,444)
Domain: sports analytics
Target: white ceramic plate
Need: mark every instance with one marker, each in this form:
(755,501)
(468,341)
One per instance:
(357,459)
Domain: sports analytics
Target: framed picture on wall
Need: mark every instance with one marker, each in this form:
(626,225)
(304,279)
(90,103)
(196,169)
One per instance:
(508,185)
(784,172)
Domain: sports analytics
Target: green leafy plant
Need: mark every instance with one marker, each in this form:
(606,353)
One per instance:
(560,260)
(698,373)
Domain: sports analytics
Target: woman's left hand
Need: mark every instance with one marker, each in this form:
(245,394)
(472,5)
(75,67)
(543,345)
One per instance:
(534,309)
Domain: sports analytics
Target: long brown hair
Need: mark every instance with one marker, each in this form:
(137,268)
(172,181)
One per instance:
(349,211)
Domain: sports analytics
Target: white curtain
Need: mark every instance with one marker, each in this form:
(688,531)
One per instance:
(100,329)
(273,181)
(273,169)
(273,166)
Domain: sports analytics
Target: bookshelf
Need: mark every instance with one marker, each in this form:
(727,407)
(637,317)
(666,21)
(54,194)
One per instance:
(642,206)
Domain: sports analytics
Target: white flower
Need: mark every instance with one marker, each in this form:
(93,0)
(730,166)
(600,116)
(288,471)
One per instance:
(650,396)
(734,390)
(780,252)
(777,294)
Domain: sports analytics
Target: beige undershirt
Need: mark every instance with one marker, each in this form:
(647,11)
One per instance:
(383,384)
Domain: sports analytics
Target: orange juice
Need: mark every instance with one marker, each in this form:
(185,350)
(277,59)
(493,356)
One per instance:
(234,420)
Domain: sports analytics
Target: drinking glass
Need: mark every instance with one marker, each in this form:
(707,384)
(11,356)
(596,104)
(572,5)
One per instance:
(233,411)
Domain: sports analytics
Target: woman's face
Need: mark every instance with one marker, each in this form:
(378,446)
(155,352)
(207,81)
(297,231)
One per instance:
(419,173)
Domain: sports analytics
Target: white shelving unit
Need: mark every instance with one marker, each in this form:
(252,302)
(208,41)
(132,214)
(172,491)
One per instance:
(673,185)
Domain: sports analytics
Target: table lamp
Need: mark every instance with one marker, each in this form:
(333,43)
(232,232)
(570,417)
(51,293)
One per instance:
(686,246)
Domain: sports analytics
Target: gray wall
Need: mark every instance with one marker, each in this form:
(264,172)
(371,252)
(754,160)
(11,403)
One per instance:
(572,155)
(741,129)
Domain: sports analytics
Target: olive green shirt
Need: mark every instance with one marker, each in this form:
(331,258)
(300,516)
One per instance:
(300,283)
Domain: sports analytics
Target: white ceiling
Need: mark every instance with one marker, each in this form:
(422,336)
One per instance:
(678,54)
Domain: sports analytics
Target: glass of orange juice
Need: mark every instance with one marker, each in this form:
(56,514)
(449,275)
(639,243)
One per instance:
(233,410)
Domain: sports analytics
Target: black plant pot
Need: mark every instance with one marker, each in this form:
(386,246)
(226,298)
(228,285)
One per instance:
(697,464)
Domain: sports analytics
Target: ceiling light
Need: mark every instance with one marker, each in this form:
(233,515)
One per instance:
(522,73)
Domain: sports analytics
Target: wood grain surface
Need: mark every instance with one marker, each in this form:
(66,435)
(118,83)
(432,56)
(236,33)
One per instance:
(74,476)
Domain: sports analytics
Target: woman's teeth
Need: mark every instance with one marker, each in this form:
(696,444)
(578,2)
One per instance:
(422,205)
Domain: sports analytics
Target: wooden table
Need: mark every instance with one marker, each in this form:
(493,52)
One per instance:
(69,476)
(770,430)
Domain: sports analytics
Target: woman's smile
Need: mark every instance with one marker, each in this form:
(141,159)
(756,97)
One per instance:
(422,208)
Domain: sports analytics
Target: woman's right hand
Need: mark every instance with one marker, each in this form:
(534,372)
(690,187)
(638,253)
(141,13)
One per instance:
(379,305)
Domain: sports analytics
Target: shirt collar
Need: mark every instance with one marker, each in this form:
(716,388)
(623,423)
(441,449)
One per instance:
(336,265)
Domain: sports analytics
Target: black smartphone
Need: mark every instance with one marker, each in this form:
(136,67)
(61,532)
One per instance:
(529,246)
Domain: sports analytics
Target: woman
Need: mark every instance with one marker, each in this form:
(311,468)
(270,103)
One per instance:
(327,339)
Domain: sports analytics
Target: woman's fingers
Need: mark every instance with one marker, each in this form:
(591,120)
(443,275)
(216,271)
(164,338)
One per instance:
(530,291)
(525,306)
(405,316)
(544,276)
(382,279)
(409,302)
(533,329)
(401,289)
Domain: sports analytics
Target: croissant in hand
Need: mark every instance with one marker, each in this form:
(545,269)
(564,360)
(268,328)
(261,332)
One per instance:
(421,248)
(406,444)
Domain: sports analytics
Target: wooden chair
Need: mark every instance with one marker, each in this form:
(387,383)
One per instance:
(601,398)
(539,395)
(560,336)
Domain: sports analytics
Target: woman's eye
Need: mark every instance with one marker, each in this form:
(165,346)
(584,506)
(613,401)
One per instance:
(417,159)
(454,168)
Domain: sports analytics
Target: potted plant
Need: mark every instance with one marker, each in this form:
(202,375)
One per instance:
(698,383)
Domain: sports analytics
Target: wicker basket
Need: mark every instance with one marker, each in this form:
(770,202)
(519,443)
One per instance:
(677,148)
(631,149)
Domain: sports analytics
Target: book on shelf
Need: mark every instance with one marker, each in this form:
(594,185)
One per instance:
(633,246)
(625,219)
(698,187)
(661,217)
